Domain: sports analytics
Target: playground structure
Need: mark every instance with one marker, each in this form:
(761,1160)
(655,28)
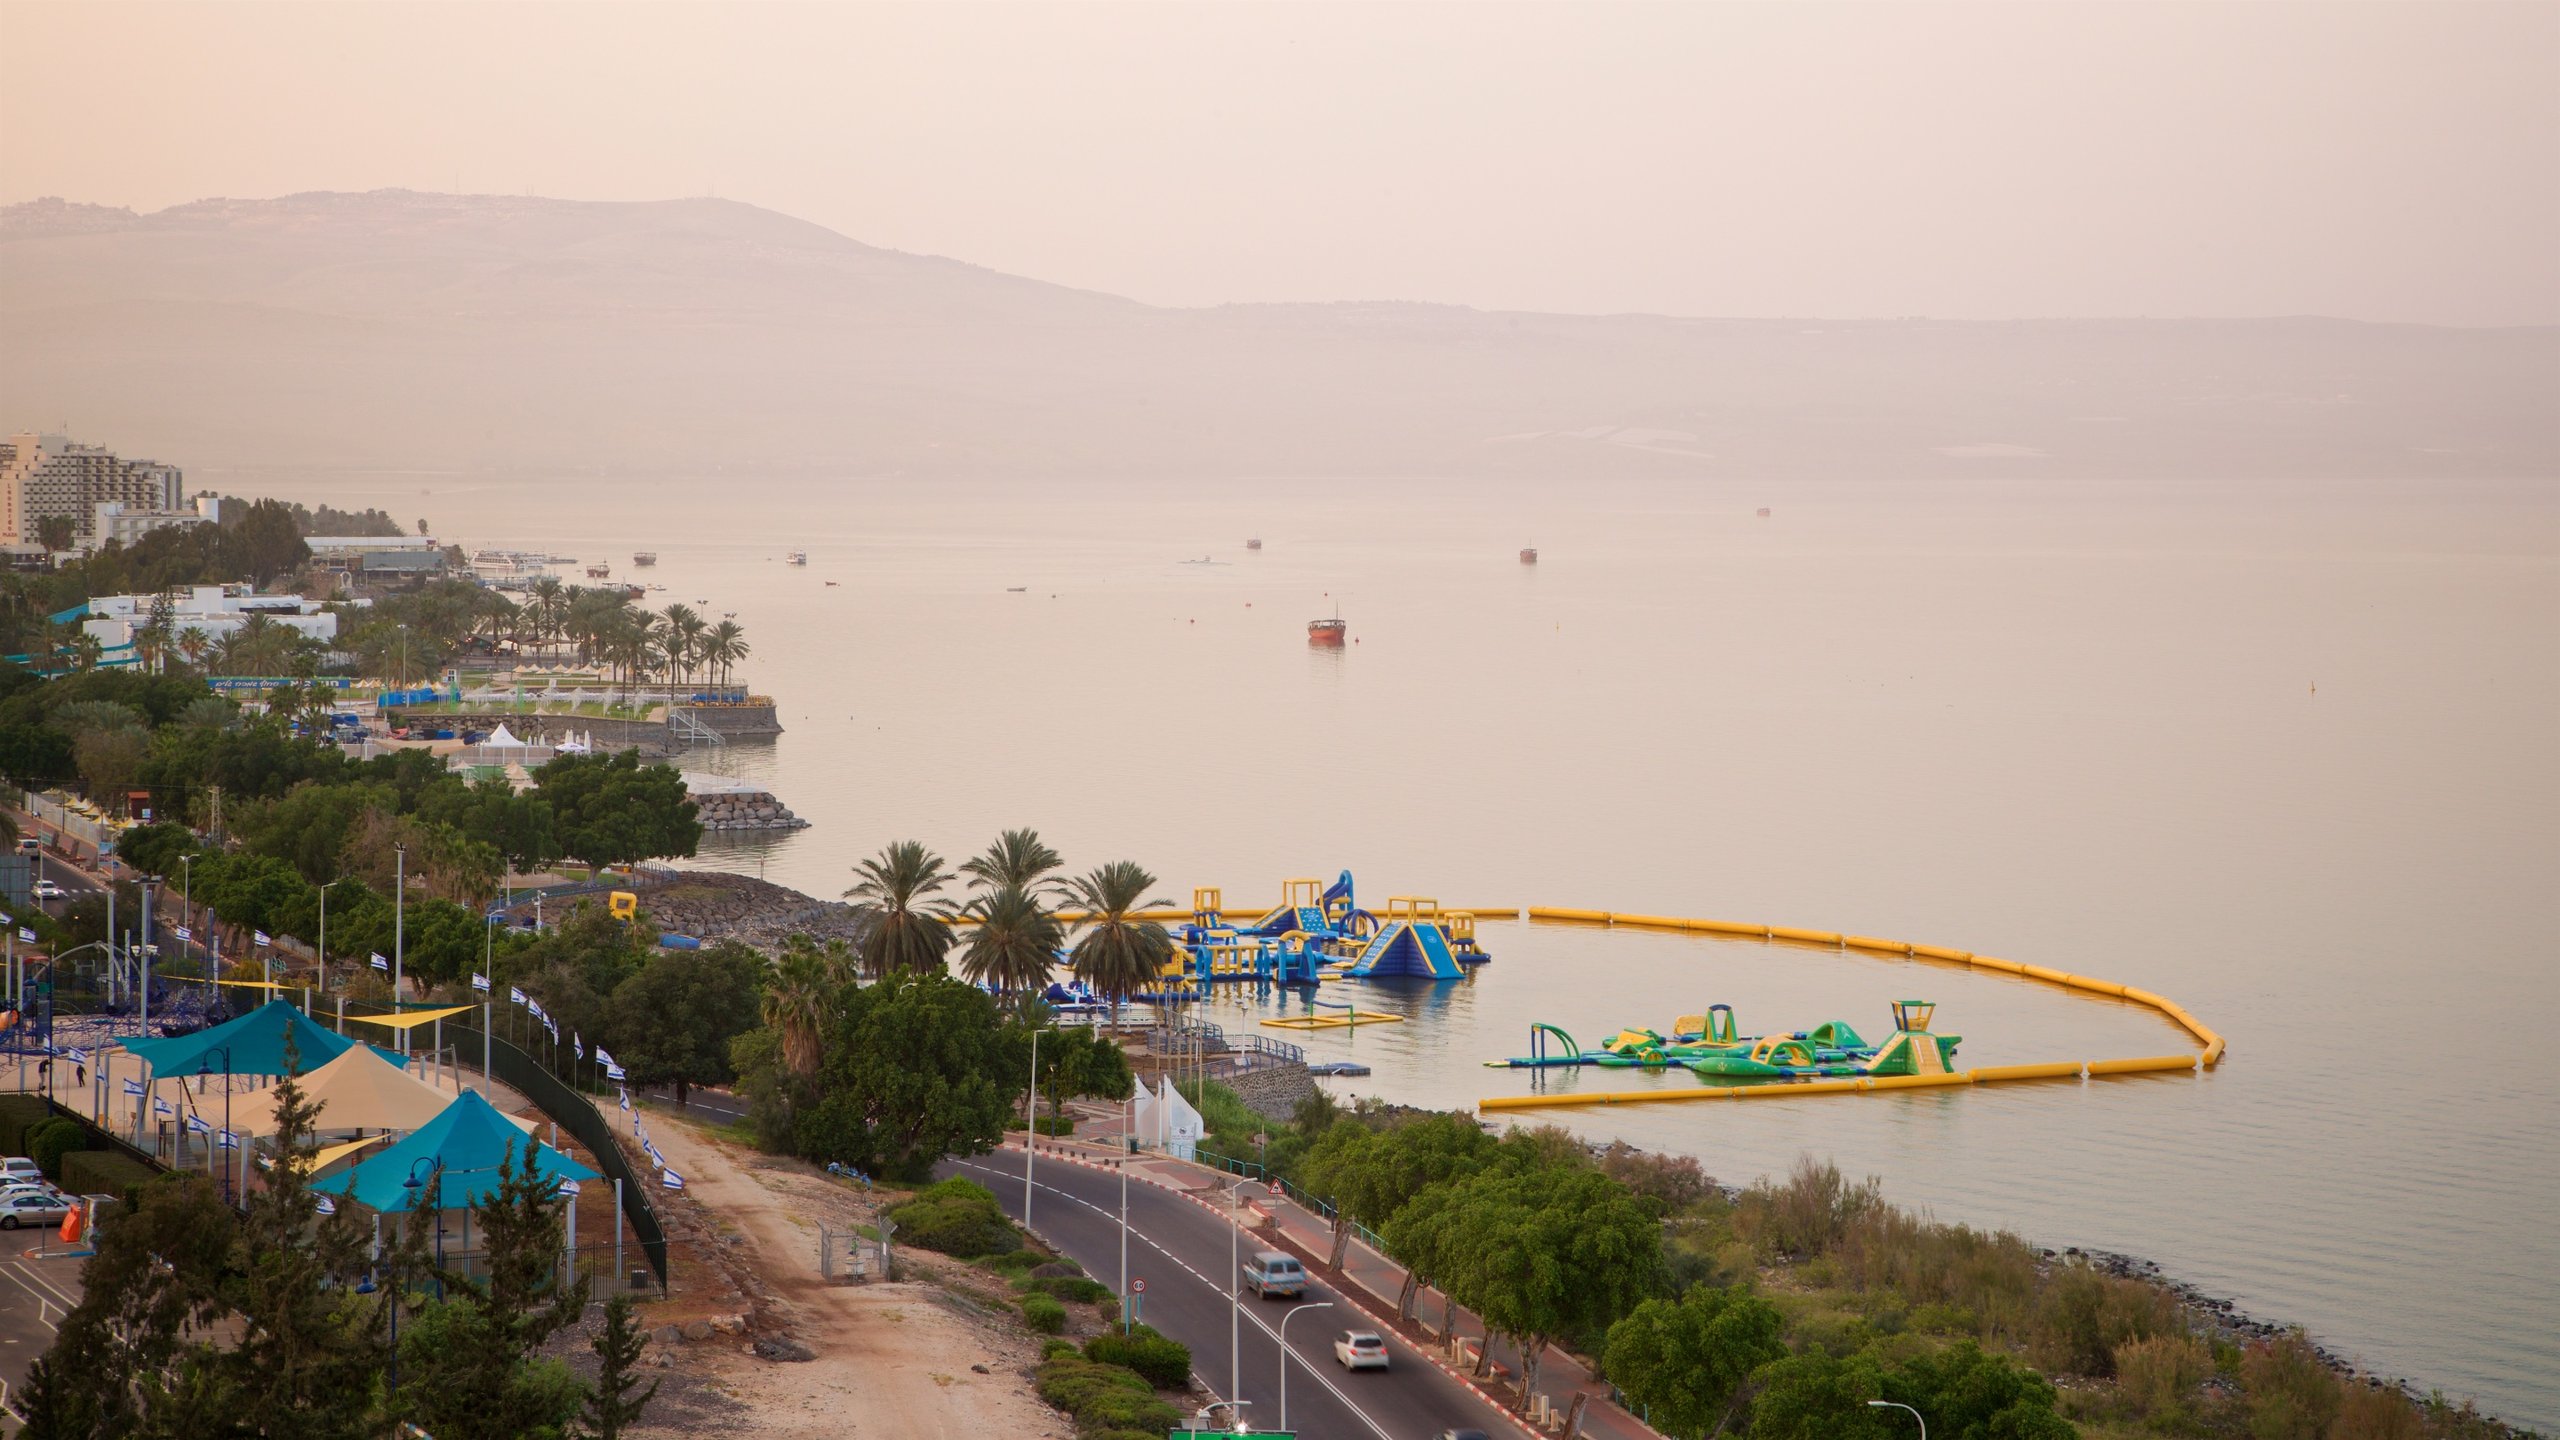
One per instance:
(1710,1042)
(1316,934)
(1929,1063)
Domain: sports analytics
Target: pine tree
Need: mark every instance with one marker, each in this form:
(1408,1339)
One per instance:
(479,1380)
(615,1405)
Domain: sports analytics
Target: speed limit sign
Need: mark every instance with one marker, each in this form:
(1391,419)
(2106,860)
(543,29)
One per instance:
(1139,1285)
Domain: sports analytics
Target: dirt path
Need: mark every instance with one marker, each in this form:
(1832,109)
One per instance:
(893,1361)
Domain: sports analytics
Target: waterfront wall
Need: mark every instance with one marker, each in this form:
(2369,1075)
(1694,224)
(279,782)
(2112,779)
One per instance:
(1272,1089)
(737,721)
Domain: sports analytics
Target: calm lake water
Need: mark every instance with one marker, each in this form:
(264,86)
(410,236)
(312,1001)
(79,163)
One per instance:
(2284,753)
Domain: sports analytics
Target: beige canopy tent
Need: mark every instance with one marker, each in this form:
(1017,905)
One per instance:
(359,1090)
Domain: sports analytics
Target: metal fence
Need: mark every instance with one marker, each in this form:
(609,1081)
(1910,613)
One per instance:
(578,1115)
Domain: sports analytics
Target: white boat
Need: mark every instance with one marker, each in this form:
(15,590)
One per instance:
(795,557)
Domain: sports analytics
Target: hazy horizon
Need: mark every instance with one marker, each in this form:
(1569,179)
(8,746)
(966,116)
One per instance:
(2384,163)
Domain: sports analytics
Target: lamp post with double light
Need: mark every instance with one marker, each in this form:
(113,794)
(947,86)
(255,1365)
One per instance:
(1284,1353)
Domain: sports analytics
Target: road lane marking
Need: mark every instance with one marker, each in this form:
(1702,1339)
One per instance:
(1258,1322)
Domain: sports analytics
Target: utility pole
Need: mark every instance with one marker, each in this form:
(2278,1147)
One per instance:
(399,926)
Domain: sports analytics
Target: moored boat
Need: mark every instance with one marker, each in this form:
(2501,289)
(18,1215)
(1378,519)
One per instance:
(645,557)
(1326,632)
(1529,555)
(795,557)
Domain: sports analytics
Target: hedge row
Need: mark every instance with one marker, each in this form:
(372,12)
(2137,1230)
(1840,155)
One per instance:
(1102,1399)
(102,1172)
(18,1115)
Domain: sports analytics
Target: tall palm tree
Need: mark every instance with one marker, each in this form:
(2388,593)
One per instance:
(904,927)
(1018,859)
(1118,954)
(547,603)
(195,644)
(1015,943)
(725,646)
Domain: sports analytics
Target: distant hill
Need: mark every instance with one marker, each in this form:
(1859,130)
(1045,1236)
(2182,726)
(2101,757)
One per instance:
(397,330)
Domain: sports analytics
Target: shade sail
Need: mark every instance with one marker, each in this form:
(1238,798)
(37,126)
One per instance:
(329,1155)
(357,1091)
(412,1019)
(254,1044)
(471,1139)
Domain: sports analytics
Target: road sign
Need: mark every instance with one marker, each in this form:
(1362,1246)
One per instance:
(1139,1285)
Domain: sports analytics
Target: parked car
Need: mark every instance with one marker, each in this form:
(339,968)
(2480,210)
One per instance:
(26,1187)
(18,1167)
(1272,1272)
(1460,1435)
(1361,1350)
(29,1208)
(47,890)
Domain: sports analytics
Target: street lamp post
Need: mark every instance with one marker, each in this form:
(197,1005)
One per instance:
(1030,1127)
(1128,1126)
(187,913)
(1898,1405)
(321,946)
(399,930)
(1235,1294)
(1293,1314)
(204,1075)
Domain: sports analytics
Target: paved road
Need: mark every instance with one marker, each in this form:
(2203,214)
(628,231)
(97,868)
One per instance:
(33,1296)
(1181,1250)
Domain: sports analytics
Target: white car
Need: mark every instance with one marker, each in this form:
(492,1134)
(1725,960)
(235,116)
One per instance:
(47,890)
(18,1168)
(32,1209)
(1361,1350)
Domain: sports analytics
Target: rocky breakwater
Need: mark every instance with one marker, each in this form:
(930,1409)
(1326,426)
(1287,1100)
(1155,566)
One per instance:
(715,906)
(729,805)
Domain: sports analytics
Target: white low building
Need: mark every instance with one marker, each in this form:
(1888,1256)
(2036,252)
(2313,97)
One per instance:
(217,610)
(116,522)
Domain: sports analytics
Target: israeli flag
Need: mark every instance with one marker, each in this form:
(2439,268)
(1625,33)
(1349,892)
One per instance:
(551,1029)
(228,1141)
(381,964)
(7,919)
(327,1205)
(517,996)
(625,1097)
(613,1071)
(578,1043)
(602,1056)
(76,1056)
(536,1007)
(183,932)
(568,1186)
(650,1149)
(196,1125)
(133,1088)
(260,937)
(479,982)
(160,1109)
(26,935)
(671,1180)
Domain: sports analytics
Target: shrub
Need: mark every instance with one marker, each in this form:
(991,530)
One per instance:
(1103,1399)
(49,1142)
(956,1217)
(1013,1262)
(2373,1412)
(1056,1124)
(2292,1396)
(2083,1316)
(1676,1180)
(1162,1361)
(1052,1349)
(2157,1375)
(102,1172)
(1044,1314)
(1074,1289)
(18,1115)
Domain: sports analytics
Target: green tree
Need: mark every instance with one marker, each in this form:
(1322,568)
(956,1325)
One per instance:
(1970,1395)
(265,542)
(612,810)
(1018,860)
(1367,1176)
(674,1019)
(1076,1061)
(903,926)
(799,1002)
(1688,1362)
(1817,1396)
(617,1400)
(472,1373)
(921,1067)
(1118,955)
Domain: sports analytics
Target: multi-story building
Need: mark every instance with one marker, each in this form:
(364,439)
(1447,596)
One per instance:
(47,475)
(121,524)
(217,610)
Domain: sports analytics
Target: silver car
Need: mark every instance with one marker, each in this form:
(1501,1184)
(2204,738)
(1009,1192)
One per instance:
(30,1208)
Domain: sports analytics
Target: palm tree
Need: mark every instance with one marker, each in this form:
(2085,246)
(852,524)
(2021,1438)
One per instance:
(1018,860)
(1015,943)
(725,646)
(1118,955)
(903,928)
(195,644)
(548,605)
(796,1006)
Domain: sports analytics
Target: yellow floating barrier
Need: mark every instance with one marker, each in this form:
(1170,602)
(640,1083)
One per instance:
(1586,917)
(1650,922)
(2094,987)
(1941,952)
(1881,947)
(1806,1087)
(1731,927)
(1334,1022)
(1806,937)
(1987,962)
(1917,1082)
(2050,1070)
(2143,1065)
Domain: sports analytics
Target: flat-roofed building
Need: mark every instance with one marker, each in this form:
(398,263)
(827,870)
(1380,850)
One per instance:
(45,476)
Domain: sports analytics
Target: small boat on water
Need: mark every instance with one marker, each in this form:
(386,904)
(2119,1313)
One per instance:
(1337,1067)
(599,571)
(1255,544)
(1009,589)
(1326,632)
(1529,555)
(833,584)
(795,557)
(645,557)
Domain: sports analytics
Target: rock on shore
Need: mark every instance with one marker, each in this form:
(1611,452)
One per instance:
(716,906)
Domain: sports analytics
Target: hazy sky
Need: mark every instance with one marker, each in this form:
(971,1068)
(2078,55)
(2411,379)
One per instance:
(2381,161)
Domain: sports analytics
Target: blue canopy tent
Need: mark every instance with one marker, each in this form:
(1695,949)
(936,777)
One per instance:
(471,1139)
(254,1044)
